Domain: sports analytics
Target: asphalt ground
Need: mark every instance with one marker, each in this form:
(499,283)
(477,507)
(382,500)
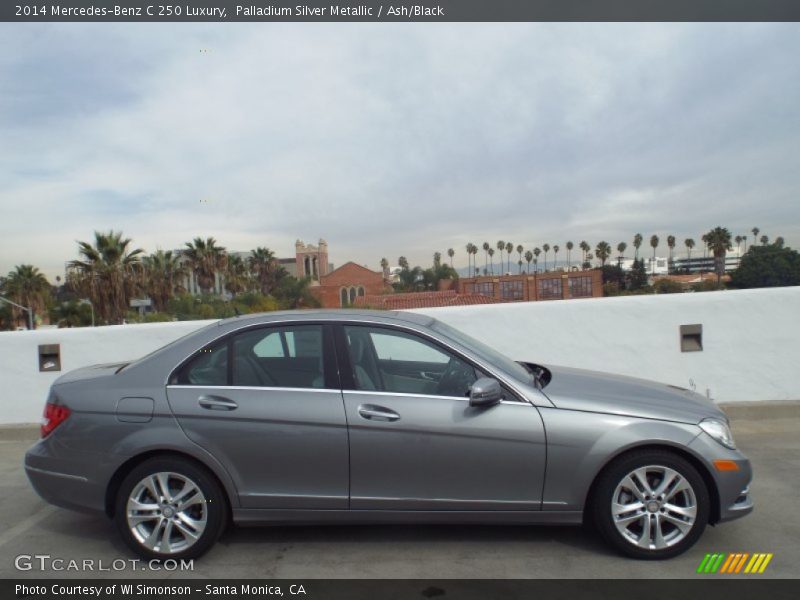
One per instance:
(29,526)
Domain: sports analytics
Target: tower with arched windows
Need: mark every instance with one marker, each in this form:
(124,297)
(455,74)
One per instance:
(310,260)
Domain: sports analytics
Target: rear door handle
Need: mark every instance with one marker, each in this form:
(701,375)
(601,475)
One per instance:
(217,403)
(377,413)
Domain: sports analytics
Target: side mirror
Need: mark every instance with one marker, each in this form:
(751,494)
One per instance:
(485,392)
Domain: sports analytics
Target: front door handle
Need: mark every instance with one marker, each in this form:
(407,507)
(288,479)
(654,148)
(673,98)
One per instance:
(217,403)
(377,413)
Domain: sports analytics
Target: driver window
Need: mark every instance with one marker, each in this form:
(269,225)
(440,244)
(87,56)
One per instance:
(394,361)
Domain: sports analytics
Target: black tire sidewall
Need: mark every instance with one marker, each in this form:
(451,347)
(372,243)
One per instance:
(610,478)
(216,505)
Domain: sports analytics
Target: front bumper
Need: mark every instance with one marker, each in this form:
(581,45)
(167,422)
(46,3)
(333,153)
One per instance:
(733,486)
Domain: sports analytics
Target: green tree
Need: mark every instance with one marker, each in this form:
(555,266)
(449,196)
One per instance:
(654,244)
(755,231)
(491,259)
(293,293)
(509,250)
(767,266)
(569,246)
(237,277)
(519,253)
(528,259)
(265,269)
(719,243)
(637,243)
(667,286)
(108,274)
(555,255)
(536,253)
(637,277)
(603,251)
(451,253)
(486,257)
(546,248)
(163,277)
(501,245)
(27,286)
(72,313)
(621,249)
(689,243)
(764,240)
(671,246)
(205,259)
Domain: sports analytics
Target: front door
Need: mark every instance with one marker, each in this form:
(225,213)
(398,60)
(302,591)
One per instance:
(417,444)
(267,404)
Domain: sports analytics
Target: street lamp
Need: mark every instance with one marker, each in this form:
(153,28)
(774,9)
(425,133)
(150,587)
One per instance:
(29,311)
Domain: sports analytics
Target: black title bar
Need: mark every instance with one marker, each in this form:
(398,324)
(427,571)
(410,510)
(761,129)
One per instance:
(401,10)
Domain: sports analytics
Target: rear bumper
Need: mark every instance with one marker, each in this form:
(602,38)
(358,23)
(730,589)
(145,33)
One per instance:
(57,481)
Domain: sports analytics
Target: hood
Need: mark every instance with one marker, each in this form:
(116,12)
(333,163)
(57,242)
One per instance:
(92,372)
(591,391)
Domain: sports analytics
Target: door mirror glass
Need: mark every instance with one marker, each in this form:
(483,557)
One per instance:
(485,392)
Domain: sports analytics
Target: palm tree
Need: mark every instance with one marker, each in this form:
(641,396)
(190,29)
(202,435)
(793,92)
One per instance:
(266,269)
(719,242)
(108,274)
(637,243)
(486,257)
(546,248)
(491,255)
(584,246)
(384,264)
(437,260)
(744,239)
(689,243)
(671,246)
(755,231)
(621,249)
(555,255)
(469,258)
(764,240)
(509,250)
(28,287)
(603,251)
(205,259)
(519,252)
(237,277)
(163,277)
(536,253)
(654,244)
(570,246)
(451,253)
(780,242)
(528,259)
(474,259)
(501,245)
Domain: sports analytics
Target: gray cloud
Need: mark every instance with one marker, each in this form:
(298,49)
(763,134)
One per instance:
(394,139)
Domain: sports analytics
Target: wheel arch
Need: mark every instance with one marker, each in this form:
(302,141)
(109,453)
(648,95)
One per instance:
(122,471)
(697,463)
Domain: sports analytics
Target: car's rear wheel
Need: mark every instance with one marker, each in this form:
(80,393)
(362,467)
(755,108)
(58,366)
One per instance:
(650,504)
(170,508)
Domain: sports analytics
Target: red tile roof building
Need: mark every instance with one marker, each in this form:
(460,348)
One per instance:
(421,300)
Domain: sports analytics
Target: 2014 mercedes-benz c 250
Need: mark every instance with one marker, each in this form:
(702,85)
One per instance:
(378,417)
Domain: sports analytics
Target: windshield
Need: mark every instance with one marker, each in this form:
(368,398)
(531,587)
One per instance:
(492,356)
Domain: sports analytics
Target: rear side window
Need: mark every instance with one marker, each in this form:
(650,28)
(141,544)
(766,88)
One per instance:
(209,367)
(279,357)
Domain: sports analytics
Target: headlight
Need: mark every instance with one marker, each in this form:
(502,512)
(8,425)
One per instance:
(720,431)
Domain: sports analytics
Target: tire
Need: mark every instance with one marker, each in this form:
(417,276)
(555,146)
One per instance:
(180,524)
(650,523)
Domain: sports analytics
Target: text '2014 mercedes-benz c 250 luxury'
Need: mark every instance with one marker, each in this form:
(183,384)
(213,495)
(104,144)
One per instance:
(378,417)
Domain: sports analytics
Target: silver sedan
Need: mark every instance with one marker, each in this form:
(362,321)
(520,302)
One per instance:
(378,417)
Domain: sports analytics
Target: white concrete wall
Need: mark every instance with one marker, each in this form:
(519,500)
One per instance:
(23,389)
(750,340)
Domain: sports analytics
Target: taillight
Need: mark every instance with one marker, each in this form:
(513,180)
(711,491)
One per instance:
(54,415)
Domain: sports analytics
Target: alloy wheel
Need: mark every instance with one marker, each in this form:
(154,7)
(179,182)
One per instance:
(167,512)
(654,507)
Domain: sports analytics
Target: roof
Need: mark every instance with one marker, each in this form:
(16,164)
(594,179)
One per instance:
(350,262)
(332,314)
(422,300)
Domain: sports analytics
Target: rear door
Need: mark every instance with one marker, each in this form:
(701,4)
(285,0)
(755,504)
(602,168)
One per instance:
(267,403)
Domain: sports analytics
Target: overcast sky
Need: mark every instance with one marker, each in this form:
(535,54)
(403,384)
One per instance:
(394,139)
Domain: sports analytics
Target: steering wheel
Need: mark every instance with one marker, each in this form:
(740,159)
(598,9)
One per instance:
(456,379)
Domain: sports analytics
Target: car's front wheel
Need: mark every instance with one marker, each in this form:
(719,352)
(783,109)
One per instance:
(170,508)
(650,504)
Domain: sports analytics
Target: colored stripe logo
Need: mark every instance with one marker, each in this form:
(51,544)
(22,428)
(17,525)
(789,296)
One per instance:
(735,562)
